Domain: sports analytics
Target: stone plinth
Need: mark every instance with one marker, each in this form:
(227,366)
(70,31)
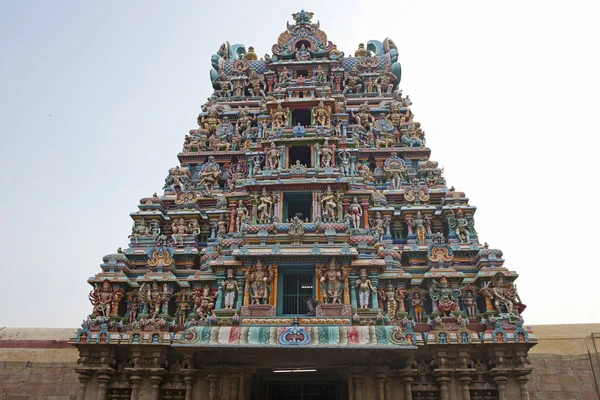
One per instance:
(333,310)
(258,310)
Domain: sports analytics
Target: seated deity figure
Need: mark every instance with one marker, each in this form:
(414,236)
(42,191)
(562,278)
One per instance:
(364,289)
(332,283)
(445,296)
(279,117)
(230,289)
(259,283)
(352,81)
(363,117)
(319,74)
(102,299)
(321,114)
(385,81)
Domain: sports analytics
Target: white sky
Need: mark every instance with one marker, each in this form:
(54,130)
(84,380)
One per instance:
(96,97)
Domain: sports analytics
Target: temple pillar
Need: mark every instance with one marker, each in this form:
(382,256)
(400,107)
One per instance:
(234,382)
(407,382)
(380,386)
(357,379)
(501,385)
(388,389)
(135,386)
(241,281)
(213,387)
(83,381)
(443,384)
(103,380)
(522,381)
(189,387)
(156,380)
(352,278)
(374,281)
(273,295)
(365,208)
(464,385)
(232,208)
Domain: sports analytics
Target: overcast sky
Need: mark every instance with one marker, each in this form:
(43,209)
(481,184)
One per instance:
(96,97)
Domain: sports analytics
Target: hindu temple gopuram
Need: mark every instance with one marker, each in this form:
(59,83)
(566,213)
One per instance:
(305,246)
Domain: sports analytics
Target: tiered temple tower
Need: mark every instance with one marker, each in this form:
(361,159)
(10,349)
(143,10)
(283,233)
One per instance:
(305,230)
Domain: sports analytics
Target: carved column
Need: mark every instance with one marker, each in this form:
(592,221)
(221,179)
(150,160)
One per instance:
(380,386)
(352,289)
(357,379)
(501,385)
(407,381)
(232,207)
(375,282)
(464,384)
(365,208)
(443,383)
(213,387)
(234,380)
(83,381)
(241,281)
(156,380)
(103,380)
(189,387)
(388,389)
(522,381)
(135,386)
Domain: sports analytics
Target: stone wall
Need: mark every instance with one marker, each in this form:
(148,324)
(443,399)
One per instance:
(566,362)
(39,364)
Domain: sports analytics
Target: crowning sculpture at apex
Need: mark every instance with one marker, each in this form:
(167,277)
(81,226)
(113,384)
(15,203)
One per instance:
(305,212)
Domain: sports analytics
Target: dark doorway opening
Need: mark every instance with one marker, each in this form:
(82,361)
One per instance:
(297,204)
(303,72)
(296,287)
(302,391)
(301,116)
(320,384)
(301,154)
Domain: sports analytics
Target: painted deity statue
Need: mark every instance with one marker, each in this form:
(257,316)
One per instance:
(470,304)
(390,297)
(417,305)
(344,157)
(183,306)
(378,225)
(244,120)
(221,226)
(102,299)
(204,302)
(319,74)
(363,117)
(241,212)
(230,289)
(364,289)
(321,114)
(332,283)
(385,81)
(179,227)
(504,295)
(273,156)
(155,299)
(330,205)
(279,117)
(133,306)
(352,81)
(400,296)
(356,213)
(421,226)
(211,121)
(327,154)
(209,175)
(463,227)
(259,283)
(256,85)
(264,206)
(445,296)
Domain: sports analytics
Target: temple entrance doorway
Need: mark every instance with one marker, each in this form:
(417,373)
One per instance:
(297,384)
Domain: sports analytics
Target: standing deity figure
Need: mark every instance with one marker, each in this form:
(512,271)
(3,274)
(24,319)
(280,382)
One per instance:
(194,227)
(244,120)
(279,117)
(329,205)
(209,175)
(259,283)
(221,226)
(352,81)
(273,156)
(183,306)
(417,305)
(364,289)
(462,226)
(421,226)
(365,172)
(344,157)
(378,225)
(154,299)
(445,296)
(321,114)
(284,75)
(240,213)
(179,227)
(133,306)
(256,85)
(264,206)
(102,298)
(332,281)
(356,213)
(504,295)
(390,297)
(230,289)
(396,171)
(470,304)
(385,81)
(204,302)
(363,117)
(400,296)
(327,154)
